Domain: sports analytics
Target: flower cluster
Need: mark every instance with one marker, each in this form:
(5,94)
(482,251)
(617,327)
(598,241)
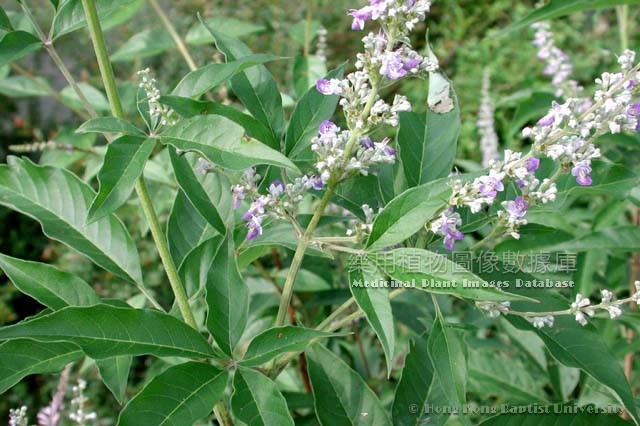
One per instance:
(321,44)
(280,202)
(581,308)
(565,134)
(18,416)
(486,125)
(51,415)
(343,153)
(162,113)
(78,405)
(558,65)
(362,229)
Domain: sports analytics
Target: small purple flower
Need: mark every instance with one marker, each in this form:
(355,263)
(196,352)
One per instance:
(520,183)
(366,142)
(451,236)
(581,171)
(276,188)
(329,87)
(316,183)
(238,192)
(328,127)
(517,208)
(490,185)
(533,164)
(360,17)
(411,64)
(630,84)
(546,121)
(633,110)
(254,228)
(393,66)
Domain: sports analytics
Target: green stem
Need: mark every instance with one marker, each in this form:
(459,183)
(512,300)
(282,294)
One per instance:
(174,34)
(109,82)
(303,243)
(53,53)
(307,28)
(622,13)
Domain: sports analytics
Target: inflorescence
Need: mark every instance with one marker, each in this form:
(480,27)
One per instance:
(345,152)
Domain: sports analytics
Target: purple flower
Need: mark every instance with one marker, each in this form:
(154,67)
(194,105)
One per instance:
(254,228)
(393,66)
(546,121)
(276,188)
(238,192)
(411,64)
(316,182)
(451,235)
(517,208)
(633,110)
(327,127)
(360,17)
(533,164)
(581,171)
(366,142)
(489,186)
(328,87)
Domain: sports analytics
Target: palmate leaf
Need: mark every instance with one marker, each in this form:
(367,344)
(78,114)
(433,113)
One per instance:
(104,331)
(255,87)
(59,200)
(376,306)
(23,357)
(221,141)
(181,395)
(227,297)
(256,400)
(341,396)
(279,340)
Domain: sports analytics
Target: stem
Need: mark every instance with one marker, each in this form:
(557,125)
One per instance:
(174,34)
(109,82)
(303,243)
(55,95)
(622,13)
(307,28)
(53,53)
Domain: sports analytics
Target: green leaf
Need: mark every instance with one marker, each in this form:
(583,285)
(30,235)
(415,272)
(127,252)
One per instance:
(221,141)
(104,331)
(16,44)
(449,364)
(20,86)
(199,35)
(407,214)
(202,80)
(306,71)
(309,113)
(255,87)
(504,377)
(227,298)
(59,200)
(623,238)
(608,179)
(570,343)
(196,266)
(48,285)
(181,395)
(413,387)
(95,97)
(341,396)
(110,125)
(432,272)
(22,357)
(256,400)
(70,15)
(150,42)
(558,8)
(123,164)
(376,306)
(428,143)
(114,373)
(556,417)
(278,340)
(5,22)
(190,108)
(186,228)
(215,206)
